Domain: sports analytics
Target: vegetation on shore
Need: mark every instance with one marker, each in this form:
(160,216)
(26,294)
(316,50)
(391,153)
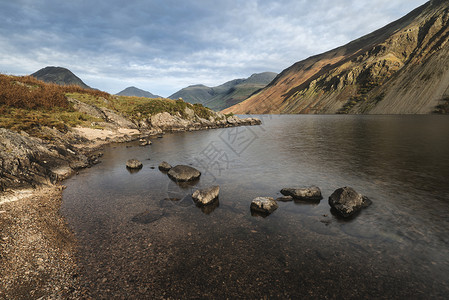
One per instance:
(26,104)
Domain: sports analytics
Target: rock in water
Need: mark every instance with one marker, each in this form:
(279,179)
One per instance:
(144,142)
(184,173)
(165,166)
(347,202)
(134,164)
(308,193)
(265,205)
(206,196)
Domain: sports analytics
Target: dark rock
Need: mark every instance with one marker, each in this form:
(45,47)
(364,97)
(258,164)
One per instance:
(165,166)
(134,164)
(308,193)
(184,173)
(347,202)
(264,205)
(206,196)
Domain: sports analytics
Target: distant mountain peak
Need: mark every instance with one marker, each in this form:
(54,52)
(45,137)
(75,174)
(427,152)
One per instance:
(59,75)
(132,91)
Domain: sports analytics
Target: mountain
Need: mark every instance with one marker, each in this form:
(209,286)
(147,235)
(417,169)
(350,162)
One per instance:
(135,92)
(227,94)
(402,68)
(58,75)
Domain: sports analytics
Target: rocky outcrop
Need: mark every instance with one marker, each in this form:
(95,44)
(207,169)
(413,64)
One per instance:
(346,202)
(206,196)
(134,164)
(184,173)
(264,205)
(29,161)
(307,193)
(164,166)
(167,122)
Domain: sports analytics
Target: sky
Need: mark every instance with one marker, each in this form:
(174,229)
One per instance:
(164,45)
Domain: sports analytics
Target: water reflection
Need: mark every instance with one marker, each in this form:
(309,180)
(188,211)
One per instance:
(210,207)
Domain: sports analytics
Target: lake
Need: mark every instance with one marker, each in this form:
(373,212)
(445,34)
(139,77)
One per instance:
(141,236)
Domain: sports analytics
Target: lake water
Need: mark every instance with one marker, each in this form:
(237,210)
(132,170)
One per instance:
(141,236)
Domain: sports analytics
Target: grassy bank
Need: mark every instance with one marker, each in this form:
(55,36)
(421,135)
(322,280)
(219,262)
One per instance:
(26,104)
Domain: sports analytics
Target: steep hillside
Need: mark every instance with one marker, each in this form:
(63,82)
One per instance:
(132,91)
(402,68)
(194,93)
(58,75)
(227,94)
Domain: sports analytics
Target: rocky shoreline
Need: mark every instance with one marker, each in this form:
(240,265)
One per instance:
(37,248)
(37,258)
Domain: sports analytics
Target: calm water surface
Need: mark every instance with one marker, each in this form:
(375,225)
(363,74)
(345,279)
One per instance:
(137,241)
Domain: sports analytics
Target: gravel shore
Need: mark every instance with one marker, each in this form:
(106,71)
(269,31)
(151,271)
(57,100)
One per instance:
(37,250)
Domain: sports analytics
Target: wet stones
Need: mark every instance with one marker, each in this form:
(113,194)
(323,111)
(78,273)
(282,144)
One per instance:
(206,196)
(264,205)
(134,164)
(346,202)
(184,173)
(312,193)
(164,166)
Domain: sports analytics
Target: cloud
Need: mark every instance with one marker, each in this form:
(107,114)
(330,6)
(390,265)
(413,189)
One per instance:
(164,45)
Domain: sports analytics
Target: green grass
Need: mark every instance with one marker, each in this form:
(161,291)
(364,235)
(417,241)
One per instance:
(30,120)
(139,108)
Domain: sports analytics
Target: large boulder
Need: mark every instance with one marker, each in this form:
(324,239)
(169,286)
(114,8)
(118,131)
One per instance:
(307,193)
(134,164)
(264,205)
(206,196)
(184,173)
(165,166)
(347,202)
(166,121)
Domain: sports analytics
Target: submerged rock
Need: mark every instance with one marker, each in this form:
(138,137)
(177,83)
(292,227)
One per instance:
(184,173)
(134,164)
(165,166)
(206,196)
(265,205)
(147,217)
(347,202)
(307,193)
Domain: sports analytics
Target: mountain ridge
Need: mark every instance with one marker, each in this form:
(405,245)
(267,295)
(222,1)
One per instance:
(364,76)
(226,94)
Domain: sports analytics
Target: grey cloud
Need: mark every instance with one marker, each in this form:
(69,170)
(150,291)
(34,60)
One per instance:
(164,45)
